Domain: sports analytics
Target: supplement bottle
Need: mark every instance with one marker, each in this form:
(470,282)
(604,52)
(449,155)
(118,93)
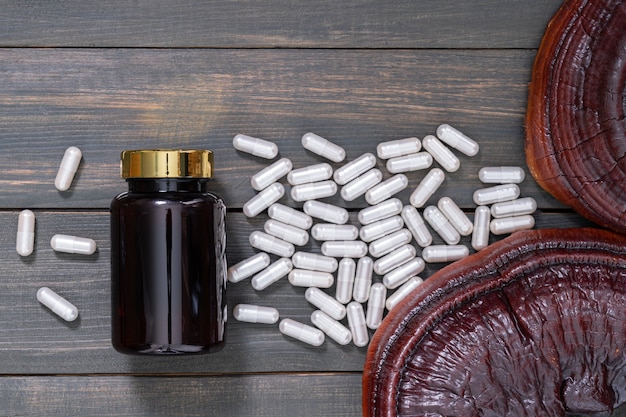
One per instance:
(168,263)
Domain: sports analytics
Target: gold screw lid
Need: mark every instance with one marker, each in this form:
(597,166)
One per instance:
(167,163)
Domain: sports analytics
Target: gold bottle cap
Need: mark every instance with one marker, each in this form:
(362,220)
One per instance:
(167,163)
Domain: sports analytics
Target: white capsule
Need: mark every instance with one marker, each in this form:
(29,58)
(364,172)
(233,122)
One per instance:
(394,148)
(345,280)
(501,175)
(359,186)
(441,153)
(255,146)
(401,274)
(248,267)
(455,215)
(67,169)
(325,302)
(386,189)
(363,279)
(73,244)
(290,216)
(357,324)
(302,332)
(313,190)
(25,238)
(312,173)
(441,225)
(444,253)
(308,278)
(271,244)
(380,228)
(327,212)
(386,244)
(59,305)
(251,313)
(496,194)
(333,329)
(394,259)
(517,207)
(314,262)
(271,274)
(511,224)
(286,232)
(402,292)
(376,306)
(480,235)
(323,147)
(344,248)
(270,174)
(353,169)
(457,140)
(407,163)
(380,211)
(264,199)
(427,187)
(329,231)
(416,225)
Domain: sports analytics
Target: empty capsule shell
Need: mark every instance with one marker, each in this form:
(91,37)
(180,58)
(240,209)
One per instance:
(401,274)
(290,216)
(380,228)
(380,211)
(496,194)
(407,163)
(314,262)
(457,140)
(427,187)
(73,244)
(327,212)
(255,146)
(394,148)
(357,324)
(323,147)
(271,274)
(67,169)
(248,267)
(264,199)
(302,332)
(401,293)
(416,225)
(308,278)
(501,175)
(480,235)
(441,225)
(333,329)
(441,153)
(511,224)
(286,232)
(444,253)
(455,215)
(517,207)
(313,190)
(312,173)
(271,244)
(344,248)
(376,306)
(345,280)
(325,302)
(25,238)
(251,313)
(59,305)
(363,279)
(329,231)
(386,189)
(359,186)
(394,259)
(386,244)
(271,174)
(353,169)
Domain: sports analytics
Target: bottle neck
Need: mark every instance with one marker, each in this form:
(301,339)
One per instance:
(162,185)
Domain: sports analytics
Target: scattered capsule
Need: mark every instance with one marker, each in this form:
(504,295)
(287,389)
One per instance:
(344,248)
(302,332)
(330,231)
(325,302)
(67,169)
(359,186)
(73,244)
(333,329)
(345,280)
(353,169)
(357,324)
(314,262)
(402,292)
(312,173)
(401,274)
(286,232)
(248,267)
(271,174)
(255,146)
(380,228)
(323,147)
(376,306)
(501,175)
(271,274)
(386,189)
(444,253)
(457,140)
(308,278)
(313,190)
(326,212)
(480,235)
(386,244)
(511,224)
(363,279)
(25,238)
(264,199)
(517,207)
(441,225)
(290,216)
(496,194)
(407,163)
(399,147)
(271,244)
(59,305)
(427,187)
(394,259)
(415,223)
(455,215)
(251,313)
(380,211)
(441,153)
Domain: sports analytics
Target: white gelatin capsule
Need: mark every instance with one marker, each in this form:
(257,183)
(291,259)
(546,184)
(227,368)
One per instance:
(380,228)
(444,253)
(314,262)
(394,259)
(327,212)
(353,169)
(323,147)
(329,231)
(290,216)
(441,225)
(427,187)
(380,211)
(344,248)
(517,207)
(25,238)
(312,173)
(511,224)
(248,267)
(401,293)
(357,324)
(67,169)
(455,215)
(376,306)
(399,147)
(359,186)
(363,279)
(313,190)
(386,189)
(302,332)
(345,280)
(501,175)
(271,274)
(386,244)
(415,223)
(401,274)
(251,313)
(480,235)
(407,163)
(271,244)
(333,329)
(325,302)
(287,233)
(255,146)
(441,153)
(308,278)
(264,199)
(271,174)
(73,244)
(59,305)
(457,140)
(496,194)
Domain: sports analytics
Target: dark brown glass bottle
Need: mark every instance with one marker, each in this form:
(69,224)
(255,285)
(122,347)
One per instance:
(168,263)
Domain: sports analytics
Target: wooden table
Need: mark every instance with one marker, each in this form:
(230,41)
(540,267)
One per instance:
(110,75)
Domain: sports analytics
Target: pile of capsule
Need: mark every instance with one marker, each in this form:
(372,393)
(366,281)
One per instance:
(382,245)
